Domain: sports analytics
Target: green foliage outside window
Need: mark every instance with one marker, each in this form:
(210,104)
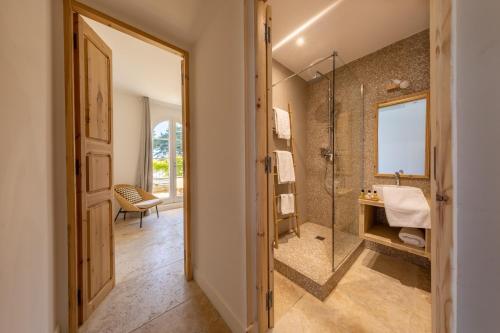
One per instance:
(163,167)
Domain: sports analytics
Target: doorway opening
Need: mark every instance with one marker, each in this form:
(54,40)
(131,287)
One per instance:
(328,241)
(128,173)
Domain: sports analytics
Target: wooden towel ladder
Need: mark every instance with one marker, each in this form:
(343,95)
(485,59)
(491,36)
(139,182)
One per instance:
(292,188)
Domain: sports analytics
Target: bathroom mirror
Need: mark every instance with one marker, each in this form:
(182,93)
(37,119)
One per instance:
(402,136)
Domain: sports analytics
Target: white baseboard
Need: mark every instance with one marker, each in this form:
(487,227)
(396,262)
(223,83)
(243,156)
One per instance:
(229,317)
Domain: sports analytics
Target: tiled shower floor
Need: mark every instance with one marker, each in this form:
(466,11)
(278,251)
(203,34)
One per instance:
(312,257)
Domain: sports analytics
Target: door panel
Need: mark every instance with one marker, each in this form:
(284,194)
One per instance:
(99,175)
(270,180)
(99,250)
(97,70)
(94,153)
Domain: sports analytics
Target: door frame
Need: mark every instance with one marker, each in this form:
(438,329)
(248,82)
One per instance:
(441,172)
(69,8)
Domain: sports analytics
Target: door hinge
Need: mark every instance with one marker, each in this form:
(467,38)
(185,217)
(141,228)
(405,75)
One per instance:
(268,164)
(269,300)
(79,296)
(77,167)
(75,41)
(441,198)
(267,33)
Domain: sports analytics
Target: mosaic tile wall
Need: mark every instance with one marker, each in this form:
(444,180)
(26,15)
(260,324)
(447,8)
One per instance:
(407,59)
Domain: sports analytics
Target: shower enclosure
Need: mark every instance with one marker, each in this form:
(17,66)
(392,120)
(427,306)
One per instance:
(333,159)
(336,102)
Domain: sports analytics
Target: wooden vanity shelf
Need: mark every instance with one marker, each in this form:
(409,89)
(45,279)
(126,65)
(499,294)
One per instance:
(383,234)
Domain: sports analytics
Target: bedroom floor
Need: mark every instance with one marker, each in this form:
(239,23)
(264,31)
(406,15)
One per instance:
(151,293)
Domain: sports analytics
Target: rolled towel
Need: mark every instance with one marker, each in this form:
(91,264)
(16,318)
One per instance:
(287,203)
(284,163)
(412,236)
(282,123)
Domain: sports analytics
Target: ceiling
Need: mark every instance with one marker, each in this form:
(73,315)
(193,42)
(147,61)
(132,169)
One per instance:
(141,68)
(353,28)
(178,21)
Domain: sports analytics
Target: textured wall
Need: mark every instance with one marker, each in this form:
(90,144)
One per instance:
(293,92)
(407,59)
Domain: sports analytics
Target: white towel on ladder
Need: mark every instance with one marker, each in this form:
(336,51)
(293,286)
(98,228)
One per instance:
(287,203)
(282,123)
(284,164)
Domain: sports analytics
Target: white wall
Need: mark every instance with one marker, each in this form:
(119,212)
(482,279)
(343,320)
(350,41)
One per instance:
(33,248)
(477,73)
(33,270)
(218,163)
(161,111)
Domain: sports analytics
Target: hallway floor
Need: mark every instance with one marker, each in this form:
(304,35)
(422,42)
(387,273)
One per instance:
(151,294)
(378,294)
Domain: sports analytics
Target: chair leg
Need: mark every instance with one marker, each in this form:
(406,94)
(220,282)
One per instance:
(157,214)
(140,226)
(124,215)
(118,214)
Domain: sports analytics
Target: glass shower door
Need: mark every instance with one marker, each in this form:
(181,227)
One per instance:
(347,168)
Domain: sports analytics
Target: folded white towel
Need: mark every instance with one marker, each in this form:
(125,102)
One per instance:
(282,123)
(287,203)
(406,207)
(284,163)
(412,236)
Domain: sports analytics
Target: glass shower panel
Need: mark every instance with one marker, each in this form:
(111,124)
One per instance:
(347,167)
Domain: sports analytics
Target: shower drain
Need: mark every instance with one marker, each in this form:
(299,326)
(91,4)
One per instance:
(321,238)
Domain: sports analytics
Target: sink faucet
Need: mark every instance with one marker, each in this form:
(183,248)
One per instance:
(398,176)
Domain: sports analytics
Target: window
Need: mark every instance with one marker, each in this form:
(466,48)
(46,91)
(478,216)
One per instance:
(161,159)
(179,161)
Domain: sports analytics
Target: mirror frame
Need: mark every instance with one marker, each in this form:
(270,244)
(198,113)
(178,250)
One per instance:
(399,100)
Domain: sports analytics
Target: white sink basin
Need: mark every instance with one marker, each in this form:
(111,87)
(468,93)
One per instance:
(405,206)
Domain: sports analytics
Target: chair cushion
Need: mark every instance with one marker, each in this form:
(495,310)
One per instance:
(129,193)
(148,203)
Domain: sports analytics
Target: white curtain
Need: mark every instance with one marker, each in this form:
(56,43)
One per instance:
(146,163)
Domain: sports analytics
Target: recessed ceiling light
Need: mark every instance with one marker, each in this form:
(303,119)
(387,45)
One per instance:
(306,25)
(300,41)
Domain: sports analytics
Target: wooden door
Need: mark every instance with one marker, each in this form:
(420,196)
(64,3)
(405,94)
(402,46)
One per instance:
(94,156)
(263,168)
(270,177)
(442,247)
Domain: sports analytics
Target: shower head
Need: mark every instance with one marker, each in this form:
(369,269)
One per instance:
(318,76)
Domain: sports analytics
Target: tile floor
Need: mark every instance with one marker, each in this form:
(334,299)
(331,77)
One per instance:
(378,294)
(151,294)
(312,257)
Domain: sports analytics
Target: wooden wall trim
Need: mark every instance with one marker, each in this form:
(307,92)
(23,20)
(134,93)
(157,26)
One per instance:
(70,7)
(441,170)
(70,168)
